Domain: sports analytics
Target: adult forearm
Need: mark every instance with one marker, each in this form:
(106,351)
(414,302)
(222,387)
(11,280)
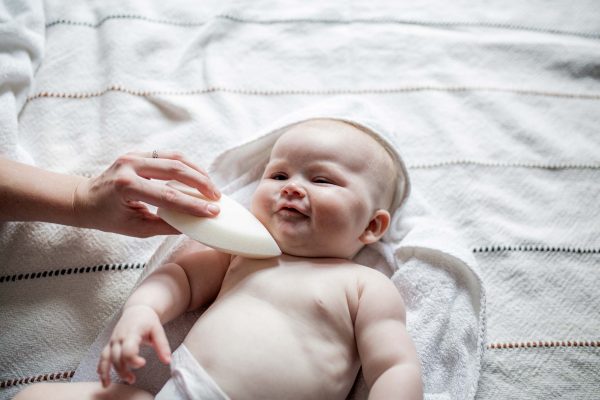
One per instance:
(28,193)
(166,291)
(399,382)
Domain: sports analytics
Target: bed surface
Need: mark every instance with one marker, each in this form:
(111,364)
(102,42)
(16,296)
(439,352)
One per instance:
(498,113)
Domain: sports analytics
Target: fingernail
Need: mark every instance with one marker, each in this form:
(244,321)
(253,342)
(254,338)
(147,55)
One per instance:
(213,209)
(217,194)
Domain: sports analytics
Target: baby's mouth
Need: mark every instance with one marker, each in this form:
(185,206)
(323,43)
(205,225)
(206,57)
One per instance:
(291,212)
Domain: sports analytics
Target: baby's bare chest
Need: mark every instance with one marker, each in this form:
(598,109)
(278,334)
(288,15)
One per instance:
(308,289)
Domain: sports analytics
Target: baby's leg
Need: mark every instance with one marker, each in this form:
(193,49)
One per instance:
(81,391)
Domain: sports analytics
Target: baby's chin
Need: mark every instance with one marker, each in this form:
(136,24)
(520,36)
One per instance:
(294,250)
(297,244)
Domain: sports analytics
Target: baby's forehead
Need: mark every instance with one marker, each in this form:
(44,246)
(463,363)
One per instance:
(323,124)
(330,134)
(335,140)
(321,139)
(337,136)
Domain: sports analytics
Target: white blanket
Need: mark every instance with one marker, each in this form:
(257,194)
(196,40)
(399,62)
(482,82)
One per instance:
(497,103)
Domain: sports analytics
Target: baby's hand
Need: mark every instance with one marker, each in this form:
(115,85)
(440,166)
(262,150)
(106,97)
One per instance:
(138,324)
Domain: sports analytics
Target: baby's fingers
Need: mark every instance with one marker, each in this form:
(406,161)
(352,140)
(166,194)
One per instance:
(159,342)
(131,358)
(104,366)
(118,361)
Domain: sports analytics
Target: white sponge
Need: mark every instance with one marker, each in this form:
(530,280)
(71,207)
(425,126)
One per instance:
(234,230)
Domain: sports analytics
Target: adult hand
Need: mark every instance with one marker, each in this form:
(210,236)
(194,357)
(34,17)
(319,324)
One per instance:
(113,200)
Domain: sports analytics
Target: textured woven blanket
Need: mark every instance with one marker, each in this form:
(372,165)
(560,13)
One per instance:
(496,105)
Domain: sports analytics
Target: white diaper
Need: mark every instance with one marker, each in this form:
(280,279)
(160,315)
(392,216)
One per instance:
(189,381)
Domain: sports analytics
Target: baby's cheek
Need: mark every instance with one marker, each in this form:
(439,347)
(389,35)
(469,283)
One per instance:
(359,215)
(260,205)
(342,215)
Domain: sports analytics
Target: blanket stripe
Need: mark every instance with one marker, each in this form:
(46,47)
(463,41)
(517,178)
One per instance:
(310,92)
(543,344)
(68,271)
(49,377)
(375,20)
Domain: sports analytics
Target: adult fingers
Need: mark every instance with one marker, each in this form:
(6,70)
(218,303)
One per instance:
(169,155)
(179,171)
(145,223)
(162,195)
(151,227)
(173,155)
(153,165)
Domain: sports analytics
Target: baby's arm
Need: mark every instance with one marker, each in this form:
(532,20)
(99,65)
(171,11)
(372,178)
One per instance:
(389,359)
(191,280)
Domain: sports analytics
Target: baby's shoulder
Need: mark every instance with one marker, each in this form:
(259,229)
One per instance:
(367,277)
(372,289)
(368,273)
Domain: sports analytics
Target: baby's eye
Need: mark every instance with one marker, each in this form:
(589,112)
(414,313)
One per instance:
(320,179)
(278,176)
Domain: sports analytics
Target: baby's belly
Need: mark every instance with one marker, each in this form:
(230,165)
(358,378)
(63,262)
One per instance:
(254,350)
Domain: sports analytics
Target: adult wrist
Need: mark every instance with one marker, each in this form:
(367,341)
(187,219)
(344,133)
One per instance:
(79,205)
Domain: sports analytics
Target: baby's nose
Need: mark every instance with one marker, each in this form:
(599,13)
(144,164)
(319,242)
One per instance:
(292,189)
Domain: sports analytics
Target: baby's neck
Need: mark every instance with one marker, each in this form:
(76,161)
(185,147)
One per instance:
(292,259)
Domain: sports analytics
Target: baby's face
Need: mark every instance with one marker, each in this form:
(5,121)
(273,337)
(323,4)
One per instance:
(316,195)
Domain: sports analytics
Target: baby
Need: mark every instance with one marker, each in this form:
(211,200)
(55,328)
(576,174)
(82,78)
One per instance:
(298,326)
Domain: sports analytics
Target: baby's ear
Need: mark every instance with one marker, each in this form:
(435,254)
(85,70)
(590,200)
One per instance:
(378,224)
